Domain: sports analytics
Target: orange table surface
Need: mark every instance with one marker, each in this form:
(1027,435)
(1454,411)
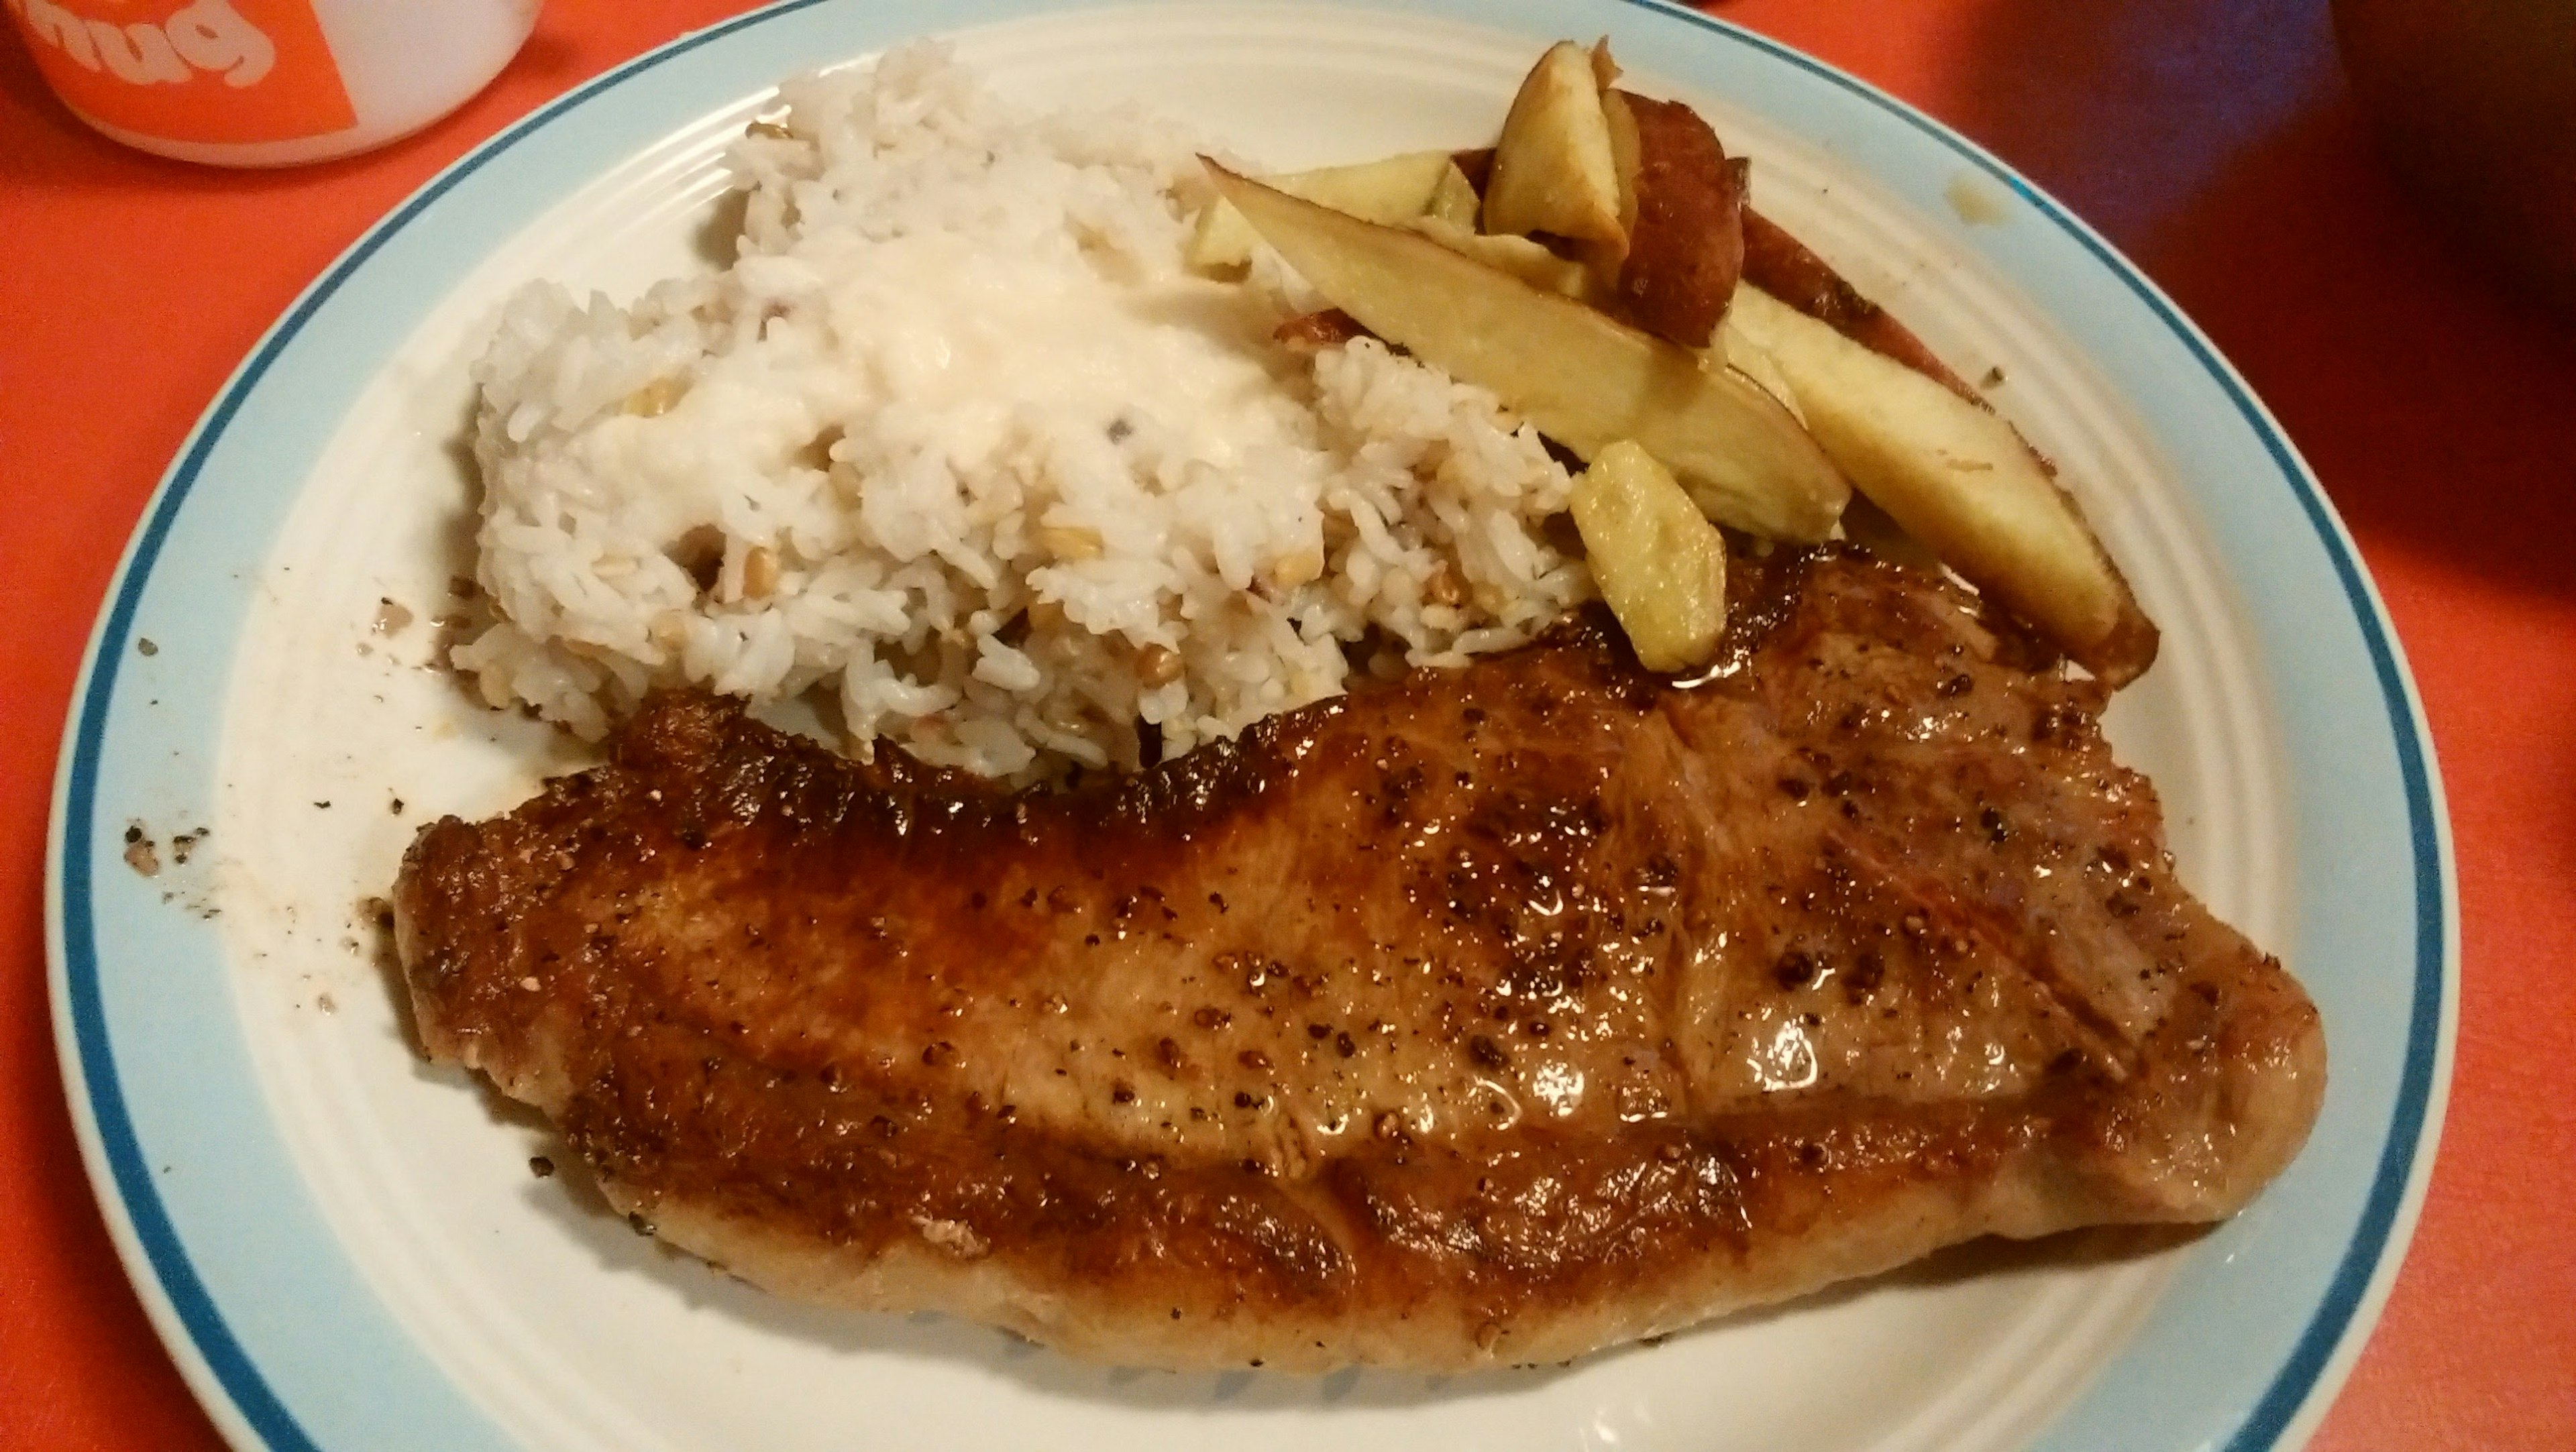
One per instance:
(2213,140)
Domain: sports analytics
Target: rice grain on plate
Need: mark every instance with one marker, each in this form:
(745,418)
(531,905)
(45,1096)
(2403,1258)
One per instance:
(958,440)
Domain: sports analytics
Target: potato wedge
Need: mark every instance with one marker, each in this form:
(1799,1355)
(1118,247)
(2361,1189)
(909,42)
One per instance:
(1395,188)
(1686,233)
(1959,479)
(1519,256)
(1873,529)
(1454,200)
(1586,380)
(1554,170)
(1731,349)
(1659,562)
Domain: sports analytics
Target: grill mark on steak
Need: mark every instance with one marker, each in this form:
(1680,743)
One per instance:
(1482,1016)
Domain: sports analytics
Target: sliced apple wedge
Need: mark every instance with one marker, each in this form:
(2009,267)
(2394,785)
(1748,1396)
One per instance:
(1586,380)
(1390,189)
(1605,259)
(1959,479)
(1519,256)
(1554,169)
(1659,562)
(1605,67)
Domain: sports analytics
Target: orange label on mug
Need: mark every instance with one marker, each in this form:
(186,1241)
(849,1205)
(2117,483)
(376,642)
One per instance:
(191,70)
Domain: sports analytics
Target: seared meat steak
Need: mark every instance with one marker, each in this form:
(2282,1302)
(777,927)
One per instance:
(1490,1015)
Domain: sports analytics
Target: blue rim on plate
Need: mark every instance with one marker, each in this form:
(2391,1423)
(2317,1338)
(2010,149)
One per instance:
(2306,1361)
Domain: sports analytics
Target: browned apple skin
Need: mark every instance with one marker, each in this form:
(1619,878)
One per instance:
(1686,247)
(1478,164)
(1786,268)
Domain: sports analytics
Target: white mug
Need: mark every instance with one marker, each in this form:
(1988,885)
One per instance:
(268,82)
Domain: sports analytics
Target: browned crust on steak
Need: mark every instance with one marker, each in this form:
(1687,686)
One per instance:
(1488,1016)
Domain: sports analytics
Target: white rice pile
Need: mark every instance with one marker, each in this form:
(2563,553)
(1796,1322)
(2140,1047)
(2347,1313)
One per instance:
(959,444)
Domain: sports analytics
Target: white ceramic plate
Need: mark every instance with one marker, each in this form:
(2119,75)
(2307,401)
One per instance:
(346,1250)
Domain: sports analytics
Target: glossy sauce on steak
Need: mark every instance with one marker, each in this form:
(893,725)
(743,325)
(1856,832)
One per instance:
(1485,1016)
